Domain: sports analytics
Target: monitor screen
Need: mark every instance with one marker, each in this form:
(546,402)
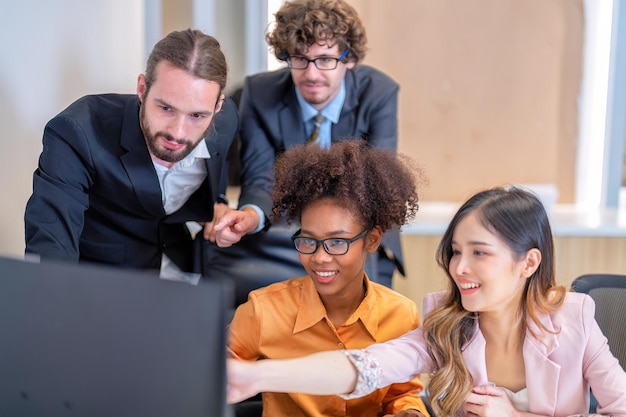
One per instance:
(86,340)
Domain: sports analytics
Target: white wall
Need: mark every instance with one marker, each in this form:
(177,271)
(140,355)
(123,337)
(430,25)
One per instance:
(51,53)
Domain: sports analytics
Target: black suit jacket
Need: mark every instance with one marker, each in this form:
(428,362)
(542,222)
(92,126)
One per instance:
(271,122)
(96,194)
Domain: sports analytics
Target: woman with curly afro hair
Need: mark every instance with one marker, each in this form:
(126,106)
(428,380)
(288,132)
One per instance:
(344,199)
(378,186)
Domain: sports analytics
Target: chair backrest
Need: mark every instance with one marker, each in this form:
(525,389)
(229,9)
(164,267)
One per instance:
(609,293)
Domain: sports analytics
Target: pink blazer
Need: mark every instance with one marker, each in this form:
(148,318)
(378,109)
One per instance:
(560,368)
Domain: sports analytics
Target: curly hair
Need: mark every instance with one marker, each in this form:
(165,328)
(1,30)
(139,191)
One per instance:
(301,23)
(519,219)
(377,185)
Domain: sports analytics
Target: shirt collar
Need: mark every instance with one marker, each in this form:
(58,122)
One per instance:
(311,310)
(331,112)
(200,151)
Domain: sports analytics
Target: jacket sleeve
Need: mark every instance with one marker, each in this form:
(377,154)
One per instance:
(257,154)
(226,127)
(405,357)
(405,396)
(370,110)
(384,119)
(54,215)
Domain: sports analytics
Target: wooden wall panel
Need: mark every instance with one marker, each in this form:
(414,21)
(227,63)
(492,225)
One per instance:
(489,88)
(588,255)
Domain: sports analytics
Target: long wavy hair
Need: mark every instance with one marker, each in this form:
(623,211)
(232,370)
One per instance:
(519,219)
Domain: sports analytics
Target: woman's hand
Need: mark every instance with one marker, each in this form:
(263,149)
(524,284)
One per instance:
(241,380)
(488,401)
(321,373)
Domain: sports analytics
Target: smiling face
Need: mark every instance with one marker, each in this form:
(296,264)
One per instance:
(176,112)
(318,87)
(336,275)
(490,277)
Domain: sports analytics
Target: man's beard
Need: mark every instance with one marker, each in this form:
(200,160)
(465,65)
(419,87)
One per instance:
(164,154)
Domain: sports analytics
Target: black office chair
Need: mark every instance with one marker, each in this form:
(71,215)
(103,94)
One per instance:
(252,407)
(609,293)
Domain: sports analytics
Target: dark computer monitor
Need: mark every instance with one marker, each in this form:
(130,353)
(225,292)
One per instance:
(85,340)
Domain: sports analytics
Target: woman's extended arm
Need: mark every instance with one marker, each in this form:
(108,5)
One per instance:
(349,373)
(322,373)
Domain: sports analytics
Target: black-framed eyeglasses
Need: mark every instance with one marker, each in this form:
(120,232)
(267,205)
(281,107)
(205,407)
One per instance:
(324,63)
(332,245)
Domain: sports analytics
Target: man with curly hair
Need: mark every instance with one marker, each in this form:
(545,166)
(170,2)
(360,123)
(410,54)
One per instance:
(343,199)
(323,96)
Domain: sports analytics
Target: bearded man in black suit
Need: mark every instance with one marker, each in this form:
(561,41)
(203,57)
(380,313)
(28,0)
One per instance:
(123,179)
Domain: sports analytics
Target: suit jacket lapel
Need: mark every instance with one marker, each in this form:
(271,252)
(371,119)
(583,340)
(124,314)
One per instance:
(212,168)
(542,374)
(290,120)
(137,162)
(474,358)
(346,124)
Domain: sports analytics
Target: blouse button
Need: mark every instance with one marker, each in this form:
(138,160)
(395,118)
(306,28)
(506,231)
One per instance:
(341,345)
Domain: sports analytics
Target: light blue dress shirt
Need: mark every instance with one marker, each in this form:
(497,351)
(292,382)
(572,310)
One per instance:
(331,114)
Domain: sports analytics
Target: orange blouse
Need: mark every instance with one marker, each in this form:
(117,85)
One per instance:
(287,319)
